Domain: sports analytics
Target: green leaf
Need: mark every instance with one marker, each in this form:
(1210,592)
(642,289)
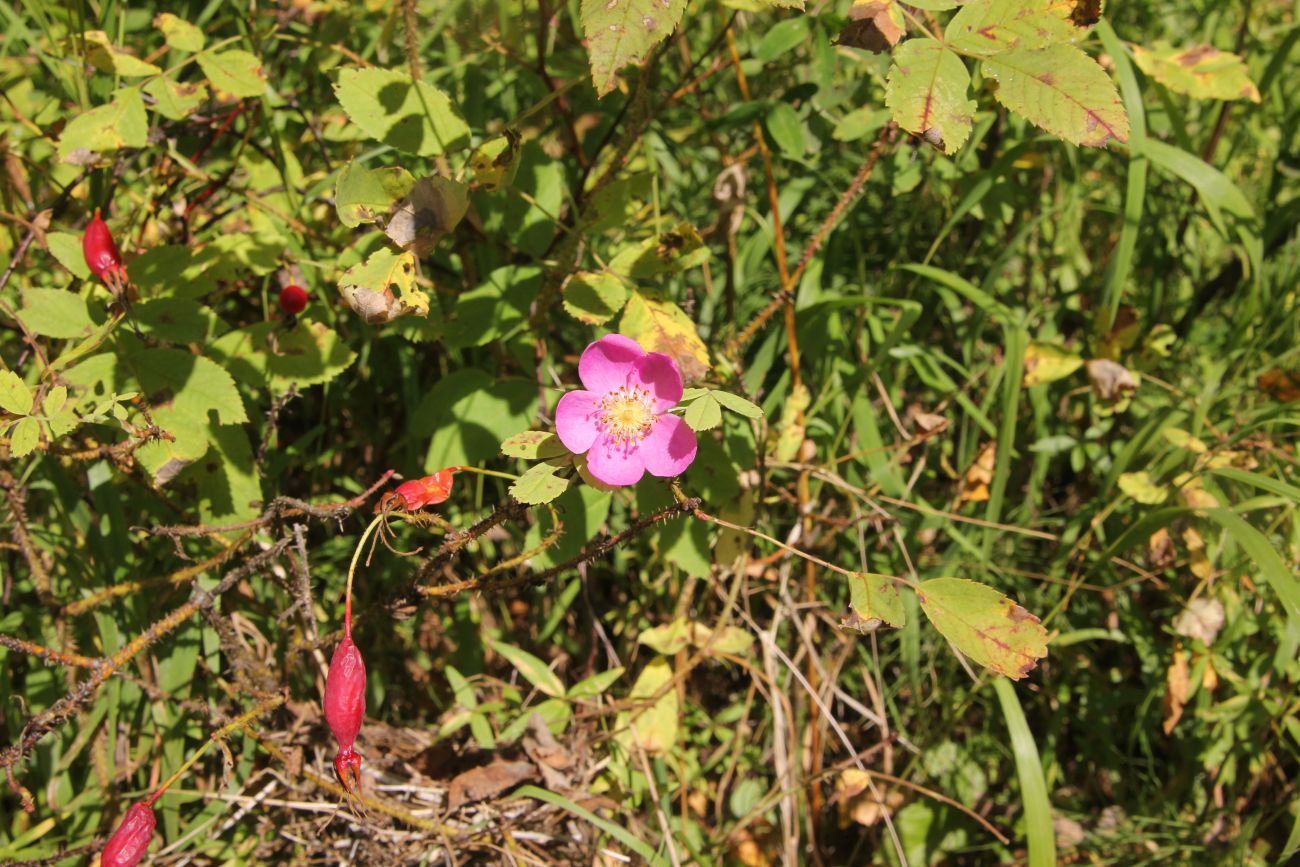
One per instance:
(594,297)
(119,124)
(877,597)
(985,625)
(106,57)
(662,326)
(174,100)
(596,684)
(1142,488)
(412,116)
(1033,786)
(620,32)
(25,437)
(15,396)
(785,128)
(738,404)
(533,669)
(56,313)
(55,398)
(368,287)
(1265,557)
(655,726)
(781,37)
(539,485)
(262,354)
(1202,71)
(533,445)
(1214,187)
(66,248)
(619,833)
(667,638)
(364,195)
(984,27)
(1062,90)
(927,90)
(176,320)
(1047,362)
(235,72)
(666,253)
(229,485)
(703,413)
(178,32)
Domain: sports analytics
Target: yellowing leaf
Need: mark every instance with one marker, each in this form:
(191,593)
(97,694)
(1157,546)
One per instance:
(1183,440)
(368,287)
(1202,71)
(1062,90)
(363,195)
(661,326)
(533,445)
(106,57)
(1047,362)
(620,32)
(875,598)
(173,100)
(1177,688)
(178,32)
(496,161)
(119,124)
(986,27)
(1140,487)
(927,91)
(975,482)
(15,396)
(235,72)
(988,627)
(653,729)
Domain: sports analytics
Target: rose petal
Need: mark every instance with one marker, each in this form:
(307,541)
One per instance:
(616,463)
(575,420)
(658,374)
(606,364)
(670,448)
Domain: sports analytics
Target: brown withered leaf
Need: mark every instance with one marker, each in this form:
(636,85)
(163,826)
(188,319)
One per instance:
(1201,619)
(488,781)
(975,482)
(1177,685)
(1110,379)
(1160,550)
(433,208)
(875,25)
(1279,384)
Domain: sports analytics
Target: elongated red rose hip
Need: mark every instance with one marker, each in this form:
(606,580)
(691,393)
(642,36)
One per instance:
(345,707)
(100,250)
(131,839)
(418,493)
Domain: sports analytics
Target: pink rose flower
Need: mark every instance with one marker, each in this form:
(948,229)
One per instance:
(621,419)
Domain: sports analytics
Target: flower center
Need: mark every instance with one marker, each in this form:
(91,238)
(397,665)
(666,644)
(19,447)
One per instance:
(626,414)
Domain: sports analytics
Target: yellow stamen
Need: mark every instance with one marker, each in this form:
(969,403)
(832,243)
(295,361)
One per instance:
(626,414)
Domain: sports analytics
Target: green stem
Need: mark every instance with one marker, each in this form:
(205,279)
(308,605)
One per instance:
(352,570)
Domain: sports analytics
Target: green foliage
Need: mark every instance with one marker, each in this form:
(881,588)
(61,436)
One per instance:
(969,407)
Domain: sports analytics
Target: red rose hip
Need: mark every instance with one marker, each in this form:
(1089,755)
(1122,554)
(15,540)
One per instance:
(345,707)
(293,299)
(102,255)
(131,839)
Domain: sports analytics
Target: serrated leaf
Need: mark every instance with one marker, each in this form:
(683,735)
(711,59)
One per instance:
(621,32)
(119,124)
(703,413)
(262,354)
(66,248)
(877,598)
(56,313)
(24,438)
(533,669)
(383,287)
(661,326)
(667,253)
(235,72)
(229,486)
(539,485)
(1047,362)
(15,396)
(176,320)
(1202,71)
(54,400)
(983,624)
(738,404)
(533,445)
(178,32)
(106,57)
(667,638)
(174,100)
(364,195)
(411,116)
(188,383)
(63,422)
(1062,90)
(594,297)
(432,209)
(985,27)
(927,90)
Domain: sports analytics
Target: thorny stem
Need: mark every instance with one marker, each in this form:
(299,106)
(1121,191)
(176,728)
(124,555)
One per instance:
(219,735)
